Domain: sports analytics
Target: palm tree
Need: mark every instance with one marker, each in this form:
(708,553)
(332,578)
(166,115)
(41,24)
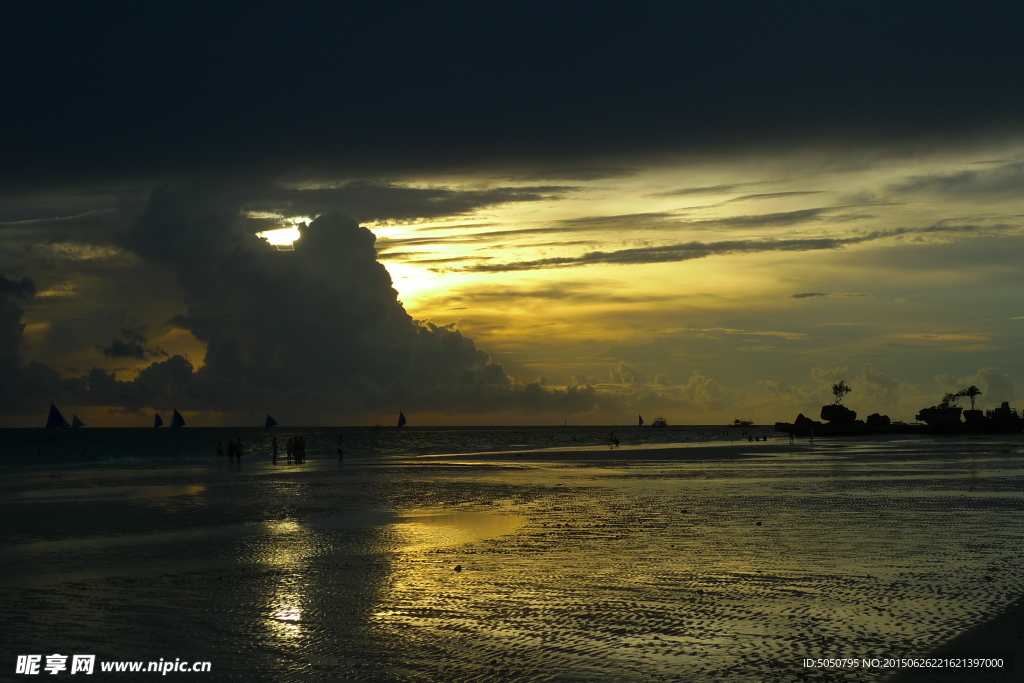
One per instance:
(970,392)
(840,390)
(950,400)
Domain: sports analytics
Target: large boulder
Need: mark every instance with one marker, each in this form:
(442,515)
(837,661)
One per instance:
(875,420)
(972,417)
(838,414)
(805,422)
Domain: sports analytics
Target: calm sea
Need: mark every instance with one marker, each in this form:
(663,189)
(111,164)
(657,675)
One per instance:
(41,448)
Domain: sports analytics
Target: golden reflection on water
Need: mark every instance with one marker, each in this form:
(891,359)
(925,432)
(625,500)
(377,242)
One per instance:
(423,530)
(418,575)
(288,549)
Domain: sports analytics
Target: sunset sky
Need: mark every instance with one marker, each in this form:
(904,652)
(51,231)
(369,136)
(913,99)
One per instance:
(702,214)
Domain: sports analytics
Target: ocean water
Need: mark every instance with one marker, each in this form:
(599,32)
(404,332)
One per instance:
(41,448)
(732,563)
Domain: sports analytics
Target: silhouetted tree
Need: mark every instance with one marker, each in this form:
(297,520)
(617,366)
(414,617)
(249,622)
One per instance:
(950,400)
(840,390)
(970,392)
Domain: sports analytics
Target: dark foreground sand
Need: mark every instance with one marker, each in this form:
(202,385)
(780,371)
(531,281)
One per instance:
(1002,637)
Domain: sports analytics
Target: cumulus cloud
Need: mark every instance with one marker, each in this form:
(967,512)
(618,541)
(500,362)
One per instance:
(630,385)
(878,392)
(321,323)
(873,392)
(829,376)
(996,386)
(318,329)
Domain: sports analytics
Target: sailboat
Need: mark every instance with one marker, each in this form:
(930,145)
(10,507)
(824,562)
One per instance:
(401,419)
(76,423)
(641,422)
(177,420)
(271,422)
(55,420)
(158,421)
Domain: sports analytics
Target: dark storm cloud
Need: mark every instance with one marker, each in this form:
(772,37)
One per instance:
(366,201)
(318,329)
(22,289)
(810,295)
(122,349)
(162,92)
(16,208)
(20,384)
(695,250)
(93,227)
(132,344)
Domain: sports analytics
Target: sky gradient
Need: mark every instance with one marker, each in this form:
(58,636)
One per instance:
(513,221)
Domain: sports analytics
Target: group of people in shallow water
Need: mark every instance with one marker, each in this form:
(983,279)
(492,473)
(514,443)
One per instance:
(295,449)
(235,449)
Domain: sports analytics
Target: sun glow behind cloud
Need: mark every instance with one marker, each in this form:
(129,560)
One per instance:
(280,237)
(284,236)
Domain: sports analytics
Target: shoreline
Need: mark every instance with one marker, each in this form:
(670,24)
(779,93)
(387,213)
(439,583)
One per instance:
(704,450)
(667,452)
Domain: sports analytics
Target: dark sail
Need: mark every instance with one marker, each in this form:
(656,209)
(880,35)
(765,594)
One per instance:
(55,420)
(158,421)
(177,420)
(641,423)
(271,422)
(76,423)
(401,419)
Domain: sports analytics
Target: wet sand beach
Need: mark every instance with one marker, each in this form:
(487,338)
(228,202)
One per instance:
(1002,636)
(732,562)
